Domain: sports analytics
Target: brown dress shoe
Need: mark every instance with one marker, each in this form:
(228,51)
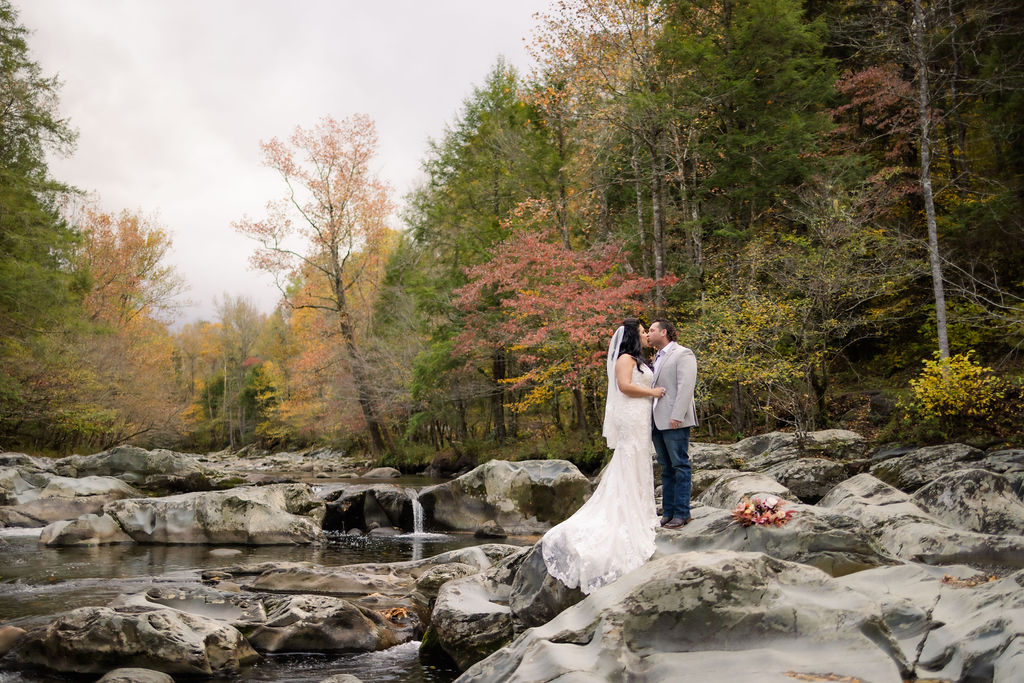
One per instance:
(665,520)
(677,522)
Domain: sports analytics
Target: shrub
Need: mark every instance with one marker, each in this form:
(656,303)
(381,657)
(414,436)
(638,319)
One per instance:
(954,395)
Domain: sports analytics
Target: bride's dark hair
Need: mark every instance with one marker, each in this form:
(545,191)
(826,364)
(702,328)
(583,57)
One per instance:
(631,345)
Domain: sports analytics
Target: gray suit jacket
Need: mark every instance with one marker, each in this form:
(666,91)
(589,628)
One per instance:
(677,372)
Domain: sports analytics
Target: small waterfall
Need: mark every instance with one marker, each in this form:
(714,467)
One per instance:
(417,512)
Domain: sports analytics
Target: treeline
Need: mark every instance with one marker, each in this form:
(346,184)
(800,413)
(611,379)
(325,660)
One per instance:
(826,197)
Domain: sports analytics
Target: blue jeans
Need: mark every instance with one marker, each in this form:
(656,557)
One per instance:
(672,447)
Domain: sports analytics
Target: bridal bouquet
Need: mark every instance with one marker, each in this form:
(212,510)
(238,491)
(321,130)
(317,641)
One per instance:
(766,511)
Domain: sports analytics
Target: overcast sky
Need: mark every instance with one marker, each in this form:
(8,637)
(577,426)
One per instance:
(172,97)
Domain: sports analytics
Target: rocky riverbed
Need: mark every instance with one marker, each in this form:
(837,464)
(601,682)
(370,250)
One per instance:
(898,564)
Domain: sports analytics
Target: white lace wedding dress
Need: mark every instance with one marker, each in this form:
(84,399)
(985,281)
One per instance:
(613,533)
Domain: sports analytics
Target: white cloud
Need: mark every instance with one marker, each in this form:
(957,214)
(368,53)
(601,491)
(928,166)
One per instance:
(171,100)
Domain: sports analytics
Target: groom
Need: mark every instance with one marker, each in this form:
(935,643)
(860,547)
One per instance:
(675,368)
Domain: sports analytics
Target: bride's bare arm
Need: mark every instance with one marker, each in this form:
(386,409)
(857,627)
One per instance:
(624,377)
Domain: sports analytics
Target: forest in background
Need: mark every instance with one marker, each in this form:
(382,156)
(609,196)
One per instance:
(825,196)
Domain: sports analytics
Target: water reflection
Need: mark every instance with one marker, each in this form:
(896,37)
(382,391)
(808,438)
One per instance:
(37,582)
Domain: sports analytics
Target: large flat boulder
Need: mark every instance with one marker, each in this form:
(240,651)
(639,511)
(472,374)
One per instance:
(158,470)
(831,541)
(87,530)
(471,616)
(905,530)
(913,470)
(43,498)
(707,616)
(249,515)
(99,639)
(730,489)
(976,500)
(952,623)
(386,578)
(522,497)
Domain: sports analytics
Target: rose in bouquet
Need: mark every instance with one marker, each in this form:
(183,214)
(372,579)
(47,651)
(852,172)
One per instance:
(765,510)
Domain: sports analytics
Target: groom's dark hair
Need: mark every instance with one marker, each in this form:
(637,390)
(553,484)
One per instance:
(670,329)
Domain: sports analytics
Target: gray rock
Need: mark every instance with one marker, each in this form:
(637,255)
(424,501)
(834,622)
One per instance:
(342,678)
(835,543)
(537,597)
(808,478)
(729,490)
(976,500)
(430,581)
(360,506)
(523,497)
(383,473)
(129,675)
(9,635)
(703,616)
(394,578)
(99,639)
(471,618)
(159,469)
(86,530)
(712,456)
(490,529)
(320,623)
(905,530)
(951,623)
(915,469)
(701,480)
(251,515)
(48,498)
(25,463)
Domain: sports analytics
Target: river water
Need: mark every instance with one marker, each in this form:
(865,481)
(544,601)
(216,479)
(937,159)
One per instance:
(37,582)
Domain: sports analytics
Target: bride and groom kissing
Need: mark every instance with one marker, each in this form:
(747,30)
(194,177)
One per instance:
(647,405)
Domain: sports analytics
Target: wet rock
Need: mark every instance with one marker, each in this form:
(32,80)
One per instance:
(86,530)
(320,623)
(523,497)
(729,490)
(253,515)
(537,597)
(471,616)
(699,616)
(9,635)
(342,678)
(835,543)
(976,500)
(99,639)
(490,529)
(383,473)
(360,506)
(915,469)
(394,578)
(430,581)
(129,675)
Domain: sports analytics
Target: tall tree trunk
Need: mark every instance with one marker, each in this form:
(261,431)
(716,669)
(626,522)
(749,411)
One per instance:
(581,412)
(658,218)
(926,180)
(498,395)
(380,440)
(641,228)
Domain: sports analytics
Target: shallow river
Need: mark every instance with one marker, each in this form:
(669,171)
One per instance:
(38,582)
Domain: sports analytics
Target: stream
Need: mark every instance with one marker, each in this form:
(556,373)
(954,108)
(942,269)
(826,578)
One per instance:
(37,582)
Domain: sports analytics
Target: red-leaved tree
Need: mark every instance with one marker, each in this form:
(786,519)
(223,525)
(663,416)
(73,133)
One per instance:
(548,307)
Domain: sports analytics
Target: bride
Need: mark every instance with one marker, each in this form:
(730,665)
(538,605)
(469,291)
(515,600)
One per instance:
(613,533)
